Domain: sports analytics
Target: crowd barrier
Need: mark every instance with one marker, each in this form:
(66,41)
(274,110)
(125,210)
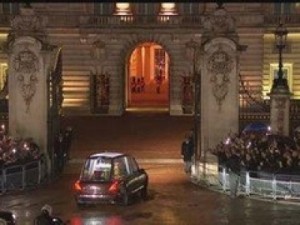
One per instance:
(266,185)
(19,177)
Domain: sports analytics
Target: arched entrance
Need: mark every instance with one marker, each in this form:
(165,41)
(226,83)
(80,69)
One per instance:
(147,77)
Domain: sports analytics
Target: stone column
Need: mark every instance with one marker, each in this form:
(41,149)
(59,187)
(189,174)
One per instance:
(280,110)
(29,62)
(219,92)
(219,68)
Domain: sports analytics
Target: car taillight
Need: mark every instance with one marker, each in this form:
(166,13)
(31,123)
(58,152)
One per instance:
(77,186)
(114,187)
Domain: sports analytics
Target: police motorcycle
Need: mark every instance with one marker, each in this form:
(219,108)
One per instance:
(46,218)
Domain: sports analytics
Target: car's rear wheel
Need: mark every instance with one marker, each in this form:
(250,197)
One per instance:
(144,193)
(125,198)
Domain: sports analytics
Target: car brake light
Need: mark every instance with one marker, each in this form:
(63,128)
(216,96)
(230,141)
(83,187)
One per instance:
(114,187)
(77,186)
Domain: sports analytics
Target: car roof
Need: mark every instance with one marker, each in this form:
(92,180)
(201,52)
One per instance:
(107,154)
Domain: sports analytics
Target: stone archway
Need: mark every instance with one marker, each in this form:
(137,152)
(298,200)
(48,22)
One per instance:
(147,77)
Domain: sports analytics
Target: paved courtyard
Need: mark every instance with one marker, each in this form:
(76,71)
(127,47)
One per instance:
(146,135)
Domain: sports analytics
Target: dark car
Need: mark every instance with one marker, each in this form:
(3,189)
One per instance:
(110,177)
(7,218)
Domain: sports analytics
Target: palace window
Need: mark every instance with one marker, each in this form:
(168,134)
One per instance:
(145,9)
(297,7)
(9,8)
(102,8)
(3,75)
(282,8)
(190,8)
(287,74)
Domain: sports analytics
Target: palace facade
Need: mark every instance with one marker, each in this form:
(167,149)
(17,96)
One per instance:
(128,56)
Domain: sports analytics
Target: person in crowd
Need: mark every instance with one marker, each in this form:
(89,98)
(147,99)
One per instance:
(187,152)
(68,136)
(233,167)
(59,152)
(262,153)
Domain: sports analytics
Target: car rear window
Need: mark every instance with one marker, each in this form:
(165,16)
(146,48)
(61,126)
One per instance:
(96,169)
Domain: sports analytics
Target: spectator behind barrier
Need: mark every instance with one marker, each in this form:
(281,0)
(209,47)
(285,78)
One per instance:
(261,153)
(17,151)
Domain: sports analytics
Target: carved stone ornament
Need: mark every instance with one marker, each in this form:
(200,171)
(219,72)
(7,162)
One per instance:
(219,22)
(98,50)
(220,64)
(27,22)
(25,64)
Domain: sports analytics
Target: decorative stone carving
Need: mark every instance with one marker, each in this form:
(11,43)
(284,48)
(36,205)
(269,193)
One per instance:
(220,64)
(27,23)
(219,22)
(98,50)
(25,64)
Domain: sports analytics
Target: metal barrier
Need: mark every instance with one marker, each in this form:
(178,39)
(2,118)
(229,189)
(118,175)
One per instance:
(18,177)
(267,185)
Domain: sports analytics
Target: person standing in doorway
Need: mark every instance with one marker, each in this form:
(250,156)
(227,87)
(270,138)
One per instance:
(187,153)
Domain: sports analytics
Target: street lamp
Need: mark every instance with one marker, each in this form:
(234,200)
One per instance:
(194,47)
(280,40)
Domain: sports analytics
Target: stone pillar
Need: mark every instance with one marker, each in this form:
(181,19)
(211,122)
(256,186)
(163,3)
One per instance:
(218,65)
(29,60)
(27,90)
(219,92)
(280,111)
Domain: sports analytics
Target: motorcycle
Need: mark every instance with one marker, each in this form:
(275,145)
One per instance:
(7,217)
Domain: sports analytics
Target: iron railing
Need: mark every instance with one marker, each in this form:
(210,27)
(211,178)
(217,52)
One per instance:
(21,176)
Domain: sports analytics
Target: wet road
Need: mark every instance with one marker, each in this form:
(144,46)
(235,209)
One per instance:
(173,200)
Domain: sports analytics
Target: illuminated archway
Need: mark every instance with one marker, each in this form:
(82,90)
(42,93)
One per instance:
(148,77)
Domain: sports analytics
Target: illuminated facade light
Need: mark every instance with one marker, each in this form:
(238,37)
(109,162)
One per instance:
(168,9)
(123,9)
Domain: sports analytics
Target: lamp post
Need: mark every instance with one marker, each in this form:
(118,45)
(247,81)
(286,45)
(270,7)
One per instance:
(280,39)
(193,46)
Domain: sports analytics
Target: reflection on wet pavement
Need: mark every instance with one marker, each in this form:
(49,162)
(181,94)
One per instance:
(173,200)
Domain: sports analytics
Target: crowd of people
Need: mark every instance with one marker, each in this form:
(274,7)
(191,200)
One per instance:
(260,152)
(17,151)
